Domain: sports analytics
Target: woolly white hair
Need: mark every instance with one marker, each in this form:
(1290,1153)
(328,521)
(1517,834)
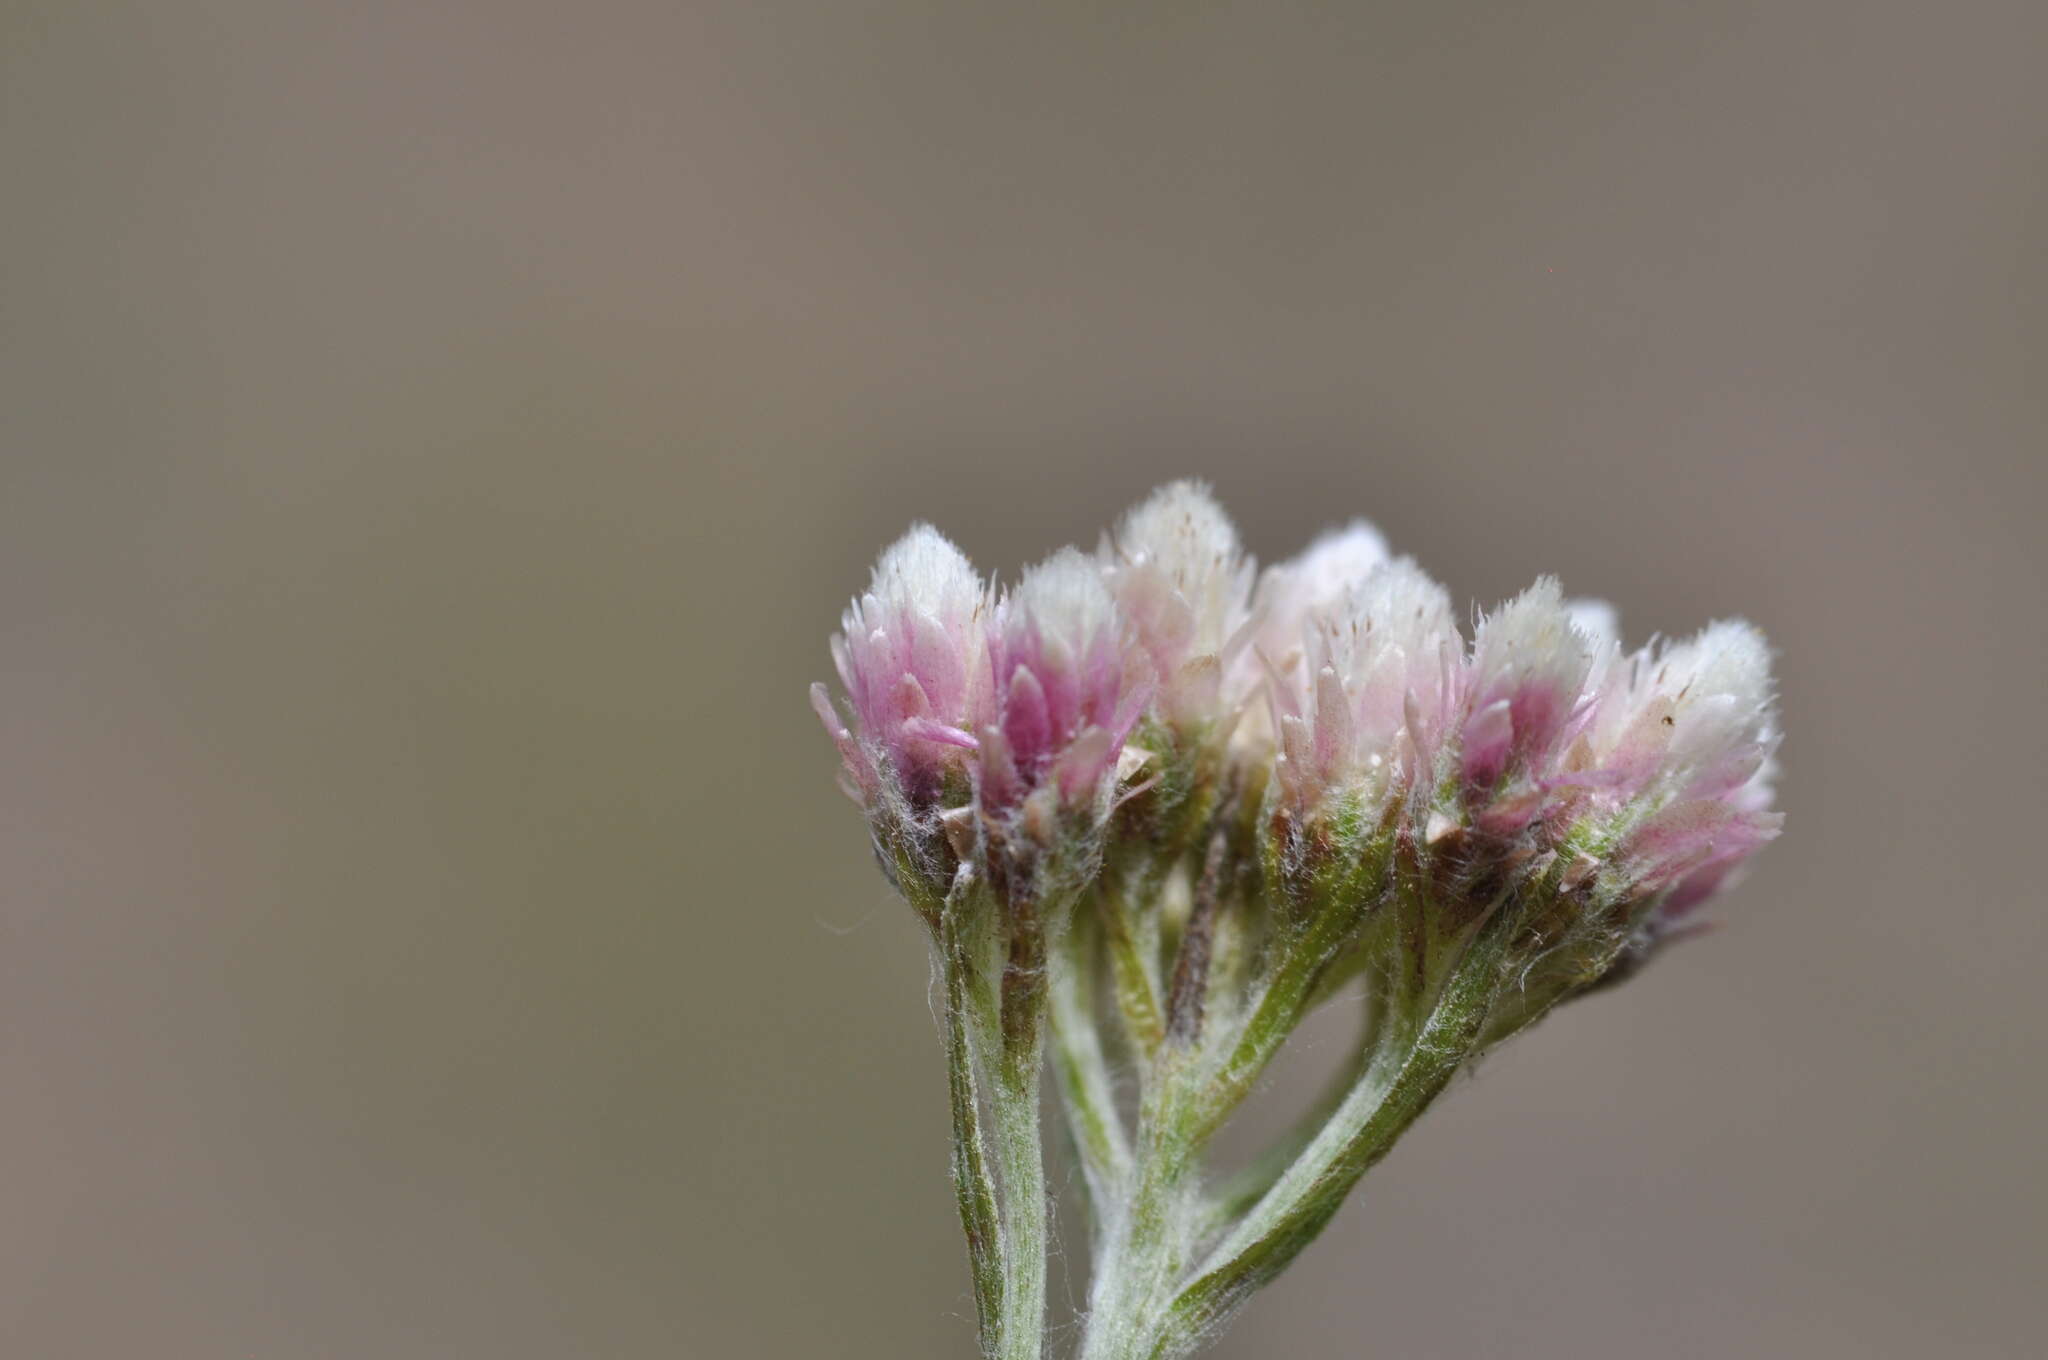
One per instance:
(1337,559)
(1397,604)
(1292,595)
(1532,635)
(1597,621)
(1719,685)
(924,572)
(1064,595)
(1180,537)
(1181,529)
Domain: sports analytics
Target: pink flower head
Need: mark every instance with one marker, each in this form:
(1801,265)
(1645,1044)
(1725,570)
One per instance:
(1176,570)
(1686,732)
(1298,597)
(1524,685)
(1672,744)
(1691,849)
(1693,716)
(1293,611)
(1068,686)
(1539,740)
(912,654)
(1362,694)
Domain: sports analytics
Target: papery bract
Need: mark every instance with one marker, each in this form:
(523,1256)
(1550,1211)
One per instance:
(1522,690)
(1178,573)
(1364,694)
(912,654)
(1069,684)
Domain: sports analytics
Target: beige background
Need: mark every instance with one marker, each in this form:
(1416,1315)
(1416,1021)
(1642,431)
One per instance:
(438,438)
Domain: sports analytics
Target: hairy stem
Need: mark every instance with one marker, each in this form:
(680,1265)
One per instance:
(1147,1232)
(1240,1193)
(1382,1106)
(1021,1162)
(1020,1158)
(972,1184)
(1133,970)
(1087,1092)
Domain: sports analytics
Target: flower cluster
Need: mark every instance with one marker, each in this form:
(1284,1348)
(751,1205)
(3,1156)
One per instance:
(1336,686)
(1168,804)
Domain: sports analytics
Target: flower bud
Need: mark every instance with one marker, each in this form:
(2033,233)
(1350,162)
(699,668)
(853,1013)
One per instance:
(1529,668)
(1365,703)
(1069,685)
(1179,575)
(1299,595)
(1656,787)
(1687,738)
(913,656)
(1293,604)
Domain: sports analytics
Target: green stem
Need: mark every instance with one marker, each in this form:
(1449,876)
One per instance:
(1149,1229)
(1377,1112)
(994,1034)
(1019,1154)
(1242,1191)
(972,1184)
(1087,1093)
(1021,1162)
(1282,1002)
(1132,939)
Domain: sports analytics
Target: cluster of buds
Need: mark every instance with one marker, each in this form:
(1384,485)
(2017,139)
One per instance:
(1214,796)
(988,729)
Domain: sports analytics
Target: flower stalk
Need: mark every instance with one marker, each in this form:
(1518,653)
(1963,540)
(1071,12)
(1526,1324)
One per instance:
(1154,809)
(972,1183)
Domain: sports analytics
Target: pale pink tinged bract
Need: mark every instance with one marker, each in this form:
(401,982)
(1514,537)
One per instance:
(1069,683)
(1179,575)
(912,656)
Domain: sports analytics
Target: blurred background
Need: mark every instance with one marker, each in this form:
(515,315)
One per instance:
(436,439)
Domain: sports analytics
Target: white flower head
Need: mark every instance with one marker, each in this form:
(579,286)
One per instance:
(1068,686)
(1065,598)
(913,657)
(924,573)
(1181,577)
(1298,596)
(1529,669)
(1597,621)
(1697,710)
